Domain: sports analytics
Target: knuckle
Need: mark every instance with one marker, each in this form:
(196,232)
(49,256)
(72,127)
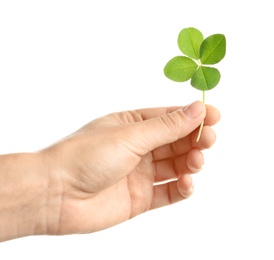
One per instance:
(172,120)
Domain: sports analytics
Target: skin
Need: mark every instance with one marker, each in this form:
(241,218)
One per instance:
(110,170)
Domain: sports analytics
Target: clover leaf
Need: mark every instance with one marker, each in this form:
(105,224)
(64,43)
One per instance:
(189,42)
(213,49)
(205,78)
(199,52)
(180,68)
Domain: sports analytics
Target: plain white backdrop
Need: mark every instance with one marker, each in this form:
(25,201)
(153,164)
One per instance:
(64,63)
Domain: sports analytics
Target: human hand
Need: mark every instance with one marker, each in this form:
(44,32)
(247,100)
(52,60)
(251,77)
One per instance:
(124,164)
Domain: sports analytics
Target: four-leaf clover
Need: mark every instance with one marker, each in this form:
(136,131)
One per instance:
(199,53)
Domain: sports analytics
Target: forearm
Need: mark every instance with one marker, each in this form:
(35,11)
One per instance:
(23,196)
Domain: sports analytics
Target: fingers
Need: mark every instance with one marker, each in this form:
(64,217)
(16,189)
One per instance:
(178,160)
(172,192)
(212,115)
(193,162)
(143,137)
(207,139)
(184,145)
(148,113)
(173,168)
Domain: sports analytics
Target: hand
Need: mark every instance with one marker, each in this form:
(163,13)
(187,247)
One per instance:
(124,164)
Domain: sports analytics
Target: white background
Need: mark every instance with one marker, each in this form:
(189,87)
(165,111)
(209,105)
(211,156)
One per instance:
(64,63)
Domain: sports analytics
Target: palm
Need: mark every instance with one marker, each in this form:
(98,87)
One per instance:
(127,198)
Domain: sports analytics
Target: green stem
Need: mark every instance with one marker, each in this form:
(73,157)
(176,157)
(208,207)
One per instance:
(202,124)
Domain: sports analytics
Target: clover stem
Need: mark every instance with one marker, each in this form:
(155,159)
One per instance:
(202,124)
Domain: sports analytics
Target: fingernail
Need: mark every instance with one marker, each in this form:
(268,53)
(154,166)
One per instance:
(193,110)
(192,184)
(192,187)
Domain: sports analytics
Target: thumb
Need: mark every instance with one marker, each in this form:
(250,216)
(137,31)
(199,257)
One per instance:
(152,133)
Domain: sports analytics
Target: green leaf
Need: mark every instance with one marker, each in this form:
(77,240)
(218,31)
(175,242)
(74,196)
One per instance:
(189,42)
(180,68)
(205,78)
(213,49)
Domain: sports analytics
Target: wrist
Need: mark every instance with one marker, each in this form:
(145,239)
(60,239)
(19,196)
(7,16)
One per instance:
(23,195)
